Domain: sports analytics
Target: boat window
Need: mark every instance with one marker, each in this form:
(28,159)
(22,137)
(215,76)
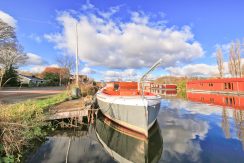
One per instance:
(116,87)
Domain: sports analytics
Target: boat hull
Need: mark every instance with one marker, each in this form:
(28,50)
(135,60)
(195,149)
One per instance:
(135,113)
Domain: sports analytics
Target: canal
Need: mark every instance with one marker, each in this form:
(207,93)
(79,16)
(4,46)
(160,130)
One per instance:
(185,131)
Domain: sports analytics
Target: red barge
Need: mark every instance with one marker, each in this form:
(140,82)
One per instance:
(217,86)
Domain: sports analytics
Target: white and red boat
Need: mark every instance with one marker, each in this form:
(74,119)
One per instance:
(127,104)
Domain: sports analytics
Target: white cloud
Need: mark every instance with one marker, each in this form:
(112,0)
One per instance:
(127,74)
(204,70)
(87,6)
(7,19)
(194,70)
(34,59)
(107,42)
(40,68)
(35,37)
(173,125)
(87,70)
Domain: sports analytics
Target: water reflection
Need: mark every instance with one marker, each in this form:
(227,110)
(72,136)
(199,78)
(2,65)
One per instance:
(73,146)
(127,146)
(192,131)
(181,134)
(199,132)
(231,106)
(102,142)
(225,100)
(164,92)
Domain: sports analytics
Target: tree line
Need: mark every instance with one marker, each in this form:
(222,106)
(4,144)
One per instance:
(12,56)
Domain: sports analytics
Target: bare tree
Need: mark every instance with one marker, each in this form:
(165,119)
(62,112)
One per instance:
(235,59)
(11,52)
(238,56)
(231,61)
(242,70)
(219,56)
(7,33)
(67,62)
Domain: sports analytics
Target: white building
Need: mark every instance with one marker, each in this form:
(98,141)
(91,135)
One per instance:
(30,80)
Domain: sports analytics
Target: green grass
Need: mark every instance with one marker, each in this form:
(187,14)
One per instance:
(22,124)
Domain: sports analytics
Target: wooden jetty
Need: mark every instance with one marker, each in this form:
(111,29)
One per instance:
(77,108)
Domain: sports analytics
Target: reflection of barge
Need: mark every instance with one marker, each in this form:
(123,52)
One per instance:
(233,101)
(163,92)
(223,86)
(128,146)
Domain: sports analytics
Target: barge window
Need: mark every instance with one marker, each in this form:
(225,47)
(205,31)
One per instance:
(212,100)
(229,85)
(230,101)
(210,84)
(226,100)
(225,85)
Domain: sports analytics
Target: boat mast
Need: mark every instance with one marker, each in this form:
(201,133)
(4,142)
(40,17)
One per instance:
(141,83)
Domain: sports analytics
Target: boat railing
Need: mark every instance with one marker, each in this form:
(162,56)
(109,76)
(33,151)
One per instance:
(141,83)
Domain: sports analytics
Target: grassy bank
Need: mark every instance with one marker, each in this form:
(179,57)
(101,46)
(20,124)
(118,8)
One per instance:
(22,124)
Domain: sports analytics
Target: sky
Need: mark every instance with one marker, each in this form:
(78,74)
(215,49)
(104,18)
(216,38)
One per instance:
(122,39)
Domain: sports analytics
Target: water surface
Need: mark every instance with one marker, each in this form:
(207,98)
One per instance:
(185,131)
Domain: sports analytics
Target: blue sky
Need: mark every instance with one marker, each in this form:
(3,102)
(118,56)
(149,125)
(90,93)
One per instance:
(126,32)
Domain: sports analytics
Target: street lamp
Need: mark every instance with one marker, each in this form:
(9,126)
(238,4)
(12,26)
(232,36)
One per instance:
(77,57)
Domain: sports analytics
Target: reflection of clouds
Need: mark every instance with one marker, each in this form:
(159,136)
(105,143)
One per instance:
(185,126)
(181,134)
(195,107)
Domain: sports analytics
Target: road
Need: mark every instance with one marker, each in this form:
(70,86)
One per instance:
(13,95)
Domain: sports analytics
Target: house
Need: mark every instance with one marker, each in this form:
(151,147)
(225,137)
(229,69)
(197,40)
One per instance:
(30,80)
